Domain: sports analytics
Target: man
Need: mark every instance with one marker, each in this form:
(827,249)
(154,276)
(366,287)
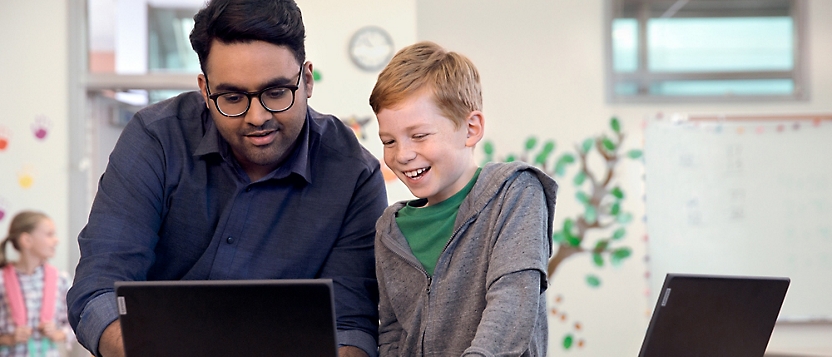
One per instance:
(241,180)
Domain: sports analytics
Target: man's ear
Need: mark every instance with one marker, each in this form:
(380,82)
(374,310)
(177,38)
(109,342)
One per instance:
(475,127)
(202,83)
(308,78)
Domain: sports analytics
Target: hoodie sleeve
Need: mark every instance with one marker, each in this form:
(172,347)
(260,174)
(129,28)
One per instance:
(516,272)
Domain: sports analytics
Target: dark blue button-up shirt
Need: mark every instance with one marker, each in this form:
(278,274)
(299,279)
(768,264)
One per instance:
(174,204)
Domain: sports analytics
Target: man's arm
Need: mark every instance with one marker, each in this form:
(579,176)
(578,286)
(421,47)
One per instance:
(351,351)
(111,344)
(117,243)
(351,265)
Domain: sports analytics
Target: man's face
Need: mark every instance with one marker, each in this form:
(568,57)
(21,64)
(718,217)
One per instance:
(259,139)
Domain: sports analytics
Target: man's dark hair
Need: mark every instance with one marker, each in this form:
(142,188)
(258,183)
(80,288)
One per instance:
(278,22)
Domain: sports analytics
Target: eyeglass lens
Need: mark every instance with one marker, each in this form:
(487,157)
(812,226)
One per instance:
(275,99)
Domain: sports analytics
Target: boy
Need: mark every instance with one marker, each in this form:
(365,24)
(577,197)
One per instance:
(461,269)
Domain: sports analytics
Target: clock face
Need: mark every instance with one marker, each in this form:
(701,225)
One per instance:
(371,48)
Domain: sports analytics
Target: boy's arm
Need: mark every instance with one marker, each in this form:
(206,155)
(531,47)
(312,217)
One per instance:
(516,272)
(509,317)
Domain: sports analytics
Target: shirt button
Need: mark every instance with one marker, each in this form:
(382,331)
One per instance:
(230,240)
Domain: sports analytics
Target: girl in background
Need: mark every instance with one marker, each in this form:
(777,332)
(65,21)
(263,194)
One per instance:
(32,293)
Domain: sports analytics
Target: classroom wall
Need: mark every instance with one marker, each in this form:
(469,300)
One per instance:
(542,68)
(543,73)
(34,160)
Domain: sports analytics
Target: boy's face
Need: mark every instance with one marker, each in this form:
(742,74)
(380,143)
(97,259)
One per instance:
(428,153)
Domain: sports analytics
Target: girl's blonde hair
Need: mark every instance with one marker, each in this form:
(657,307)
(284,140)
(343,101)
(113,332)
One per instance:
(23,222)
(452,78)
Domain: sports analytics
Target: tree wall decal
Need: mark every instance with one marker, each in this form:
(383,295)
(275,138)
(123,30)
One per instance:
(598,193)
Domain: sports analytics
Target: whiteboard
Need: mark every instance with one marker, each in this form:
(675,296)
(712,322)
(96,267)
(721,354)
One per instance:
(743,198)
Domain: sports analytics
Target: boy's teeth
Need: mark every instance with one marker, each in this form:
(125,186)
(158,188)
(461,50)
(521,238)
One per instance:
(414,173)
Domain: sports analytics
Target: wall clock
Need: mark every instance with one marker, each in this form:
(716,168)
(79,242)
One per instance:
(370,48)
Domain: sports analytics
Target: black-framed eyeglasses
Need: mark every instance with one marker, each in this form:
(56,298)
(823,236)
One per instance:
(275,99)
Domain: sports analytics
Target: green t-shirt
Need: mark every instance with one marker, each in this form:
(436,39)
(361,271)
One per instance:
(428,229)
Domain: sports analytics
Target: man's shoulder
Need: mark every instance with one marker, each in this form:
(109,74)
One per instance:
(185,106)
(337,141)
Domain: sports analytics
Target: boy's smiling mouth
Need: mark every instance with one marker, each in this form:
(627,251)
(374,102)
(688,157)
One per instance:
(416,173)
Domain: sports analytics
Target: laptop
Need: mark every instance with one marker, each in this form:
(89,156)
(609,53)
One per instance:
(227,318)
(714,316)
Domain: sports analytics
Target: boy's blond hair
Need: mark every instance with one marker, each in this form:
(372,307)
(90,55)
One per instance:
(452,77)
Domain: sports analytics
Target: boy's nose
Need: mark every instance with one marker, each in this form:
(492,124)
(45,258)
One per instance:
(405,154)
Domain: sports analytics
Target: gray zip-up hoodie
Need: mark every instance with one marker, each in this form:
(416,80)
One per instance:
(487,294)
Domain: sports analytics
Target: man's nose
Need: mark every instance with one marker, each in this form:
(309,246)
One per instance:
(257,114)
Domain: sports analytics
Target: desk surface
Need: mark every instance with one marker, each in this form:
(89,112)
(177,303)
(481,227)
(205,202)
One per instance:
(801,352)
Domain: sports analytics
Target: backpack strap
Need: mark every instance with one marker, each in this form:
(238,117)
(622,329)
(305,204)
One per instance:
(14,295)
(50,287)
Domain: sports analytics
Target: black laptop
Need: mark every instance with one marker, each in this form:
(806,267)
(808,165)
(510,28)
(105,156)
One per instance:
(714,316)
(227,318)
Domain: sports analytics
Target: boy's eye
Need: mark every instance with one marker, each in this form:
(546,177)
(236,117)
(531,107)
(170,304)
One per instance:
(419,136)
(387,142)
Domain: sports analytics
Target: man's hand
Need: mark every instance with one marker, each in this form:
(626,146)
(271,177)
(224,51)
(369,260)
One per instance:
(111,344)
(351,351)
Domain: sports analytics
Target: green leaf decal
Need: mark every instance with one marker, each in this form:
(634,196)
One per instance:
(619,255)
(573,241)
(619,233)
(601,245)
(549,147)
(593,280)
(615,125)
(608,144)
(560,169)
(567,158)
(590,215)
(624,218)
(635,153)
(598,260)
(582,197)
(617,193)
(616,207)
(510,158)
(558,237)
(540,159)
(579,178)
(488,147)
(587,145)
(567,341)
(531,142)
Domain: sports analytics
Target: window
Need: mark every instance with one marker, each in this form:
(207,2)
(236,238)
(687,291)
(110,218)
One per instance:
(704,50)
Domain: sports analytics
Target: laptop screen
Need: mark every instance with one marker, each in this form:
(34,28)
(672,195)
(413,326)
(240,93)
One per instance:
(227,318)
(707,315)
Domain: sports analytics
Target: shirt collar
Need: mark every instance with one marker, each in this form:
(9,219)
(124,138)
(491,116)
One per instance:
(299,162)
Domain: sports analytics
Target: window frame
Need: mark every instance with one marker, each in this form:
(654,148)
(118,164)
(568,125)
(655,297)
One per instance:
(644,78)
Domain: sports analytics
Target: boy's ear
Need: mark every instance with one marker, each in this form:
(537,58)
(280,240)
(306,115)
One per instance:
(475,126)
